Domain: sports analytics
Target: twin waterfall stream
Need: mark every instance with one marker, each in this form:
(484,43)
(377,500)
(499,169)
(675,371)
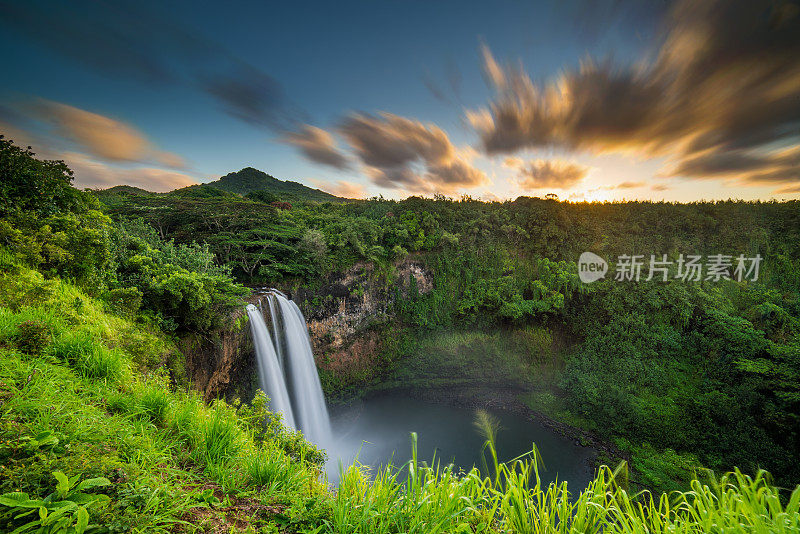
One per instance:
(286,368)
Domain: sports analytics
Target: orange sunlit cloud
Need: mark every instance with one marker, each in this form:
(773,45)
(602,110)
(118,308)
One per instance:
(342,188)
(102,136)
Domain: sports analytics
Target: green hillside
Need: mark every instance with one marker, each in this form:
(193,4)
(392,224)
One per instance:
(249,179)
(243,182)
(126,190)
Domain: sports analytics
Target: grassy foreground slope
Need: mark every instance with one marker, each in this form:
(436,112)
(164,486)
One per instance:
(77,398)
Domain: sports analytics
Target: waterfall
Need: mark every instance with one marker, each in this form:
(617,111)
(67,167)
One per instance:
(273,312)
(270,376)
(309,402)
(288,366)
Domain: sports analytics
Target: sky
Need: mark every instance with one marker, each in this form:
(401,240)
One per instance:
(589,100)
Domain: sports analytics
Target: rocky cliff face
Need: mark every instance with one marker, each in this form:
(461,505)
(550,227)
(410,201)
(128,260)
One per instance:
(343,315)
(222,366)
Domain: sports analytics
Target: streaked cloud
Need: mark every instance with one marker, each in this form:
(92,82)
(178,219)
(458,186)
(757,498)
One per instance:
(719,99)
(10,130)
(631,185)
(317,145)
(401,153)
(342,188)
(103,137)
(96,174)
(392,141)
(400,178)
(454,175)
(251,96)
(447,91)
(124,40)
(109,163)
(541,174)
(791,190)
(606,192)
(494,72)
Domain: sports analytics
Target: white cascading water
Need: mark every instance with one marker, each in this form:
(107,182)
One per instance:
(270,376)
(290,359)
(309,402)
(276,338)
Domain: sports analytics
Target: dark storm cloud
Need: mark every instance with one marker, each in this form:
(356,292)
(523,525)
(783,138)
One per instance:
(318,146)
(720,94)
(393,148)
(126,39)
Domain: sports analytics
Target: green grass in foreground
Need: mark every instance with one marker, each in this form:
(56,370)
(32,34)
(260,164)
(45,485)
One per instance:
(93,438)
(79,395)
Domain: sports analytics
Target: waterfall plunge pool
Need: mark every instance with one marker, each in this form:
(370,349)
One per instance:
(377,430)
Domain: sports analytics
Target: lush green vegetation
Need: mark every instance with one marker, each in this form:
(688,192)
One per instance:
(703,371)
(504,358)
(49,225)
(99,430)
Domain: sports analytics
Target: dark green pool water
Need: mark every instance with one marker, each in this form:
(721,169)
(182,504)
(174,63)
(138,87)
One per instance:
(378,430)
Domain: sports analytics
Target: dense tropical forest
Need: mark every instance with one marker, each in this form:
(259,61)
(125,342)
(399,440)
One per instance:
(694,385)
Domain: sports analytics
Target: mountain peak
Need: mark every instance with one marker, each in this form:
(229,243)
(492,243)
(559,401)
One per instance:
(249,179)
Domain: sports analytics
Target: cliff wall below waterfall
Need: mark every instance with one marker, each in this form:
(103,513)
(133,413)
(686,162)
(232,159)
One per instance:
(350,320)
(222,364)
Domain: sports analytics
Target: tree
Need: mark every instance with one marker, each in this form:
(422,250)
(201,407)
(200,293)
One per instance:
(314,246)
(39,187)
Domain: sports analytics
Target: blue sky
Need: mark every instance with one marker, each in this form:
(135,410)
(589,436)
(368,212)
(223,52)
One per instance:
(153,72)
